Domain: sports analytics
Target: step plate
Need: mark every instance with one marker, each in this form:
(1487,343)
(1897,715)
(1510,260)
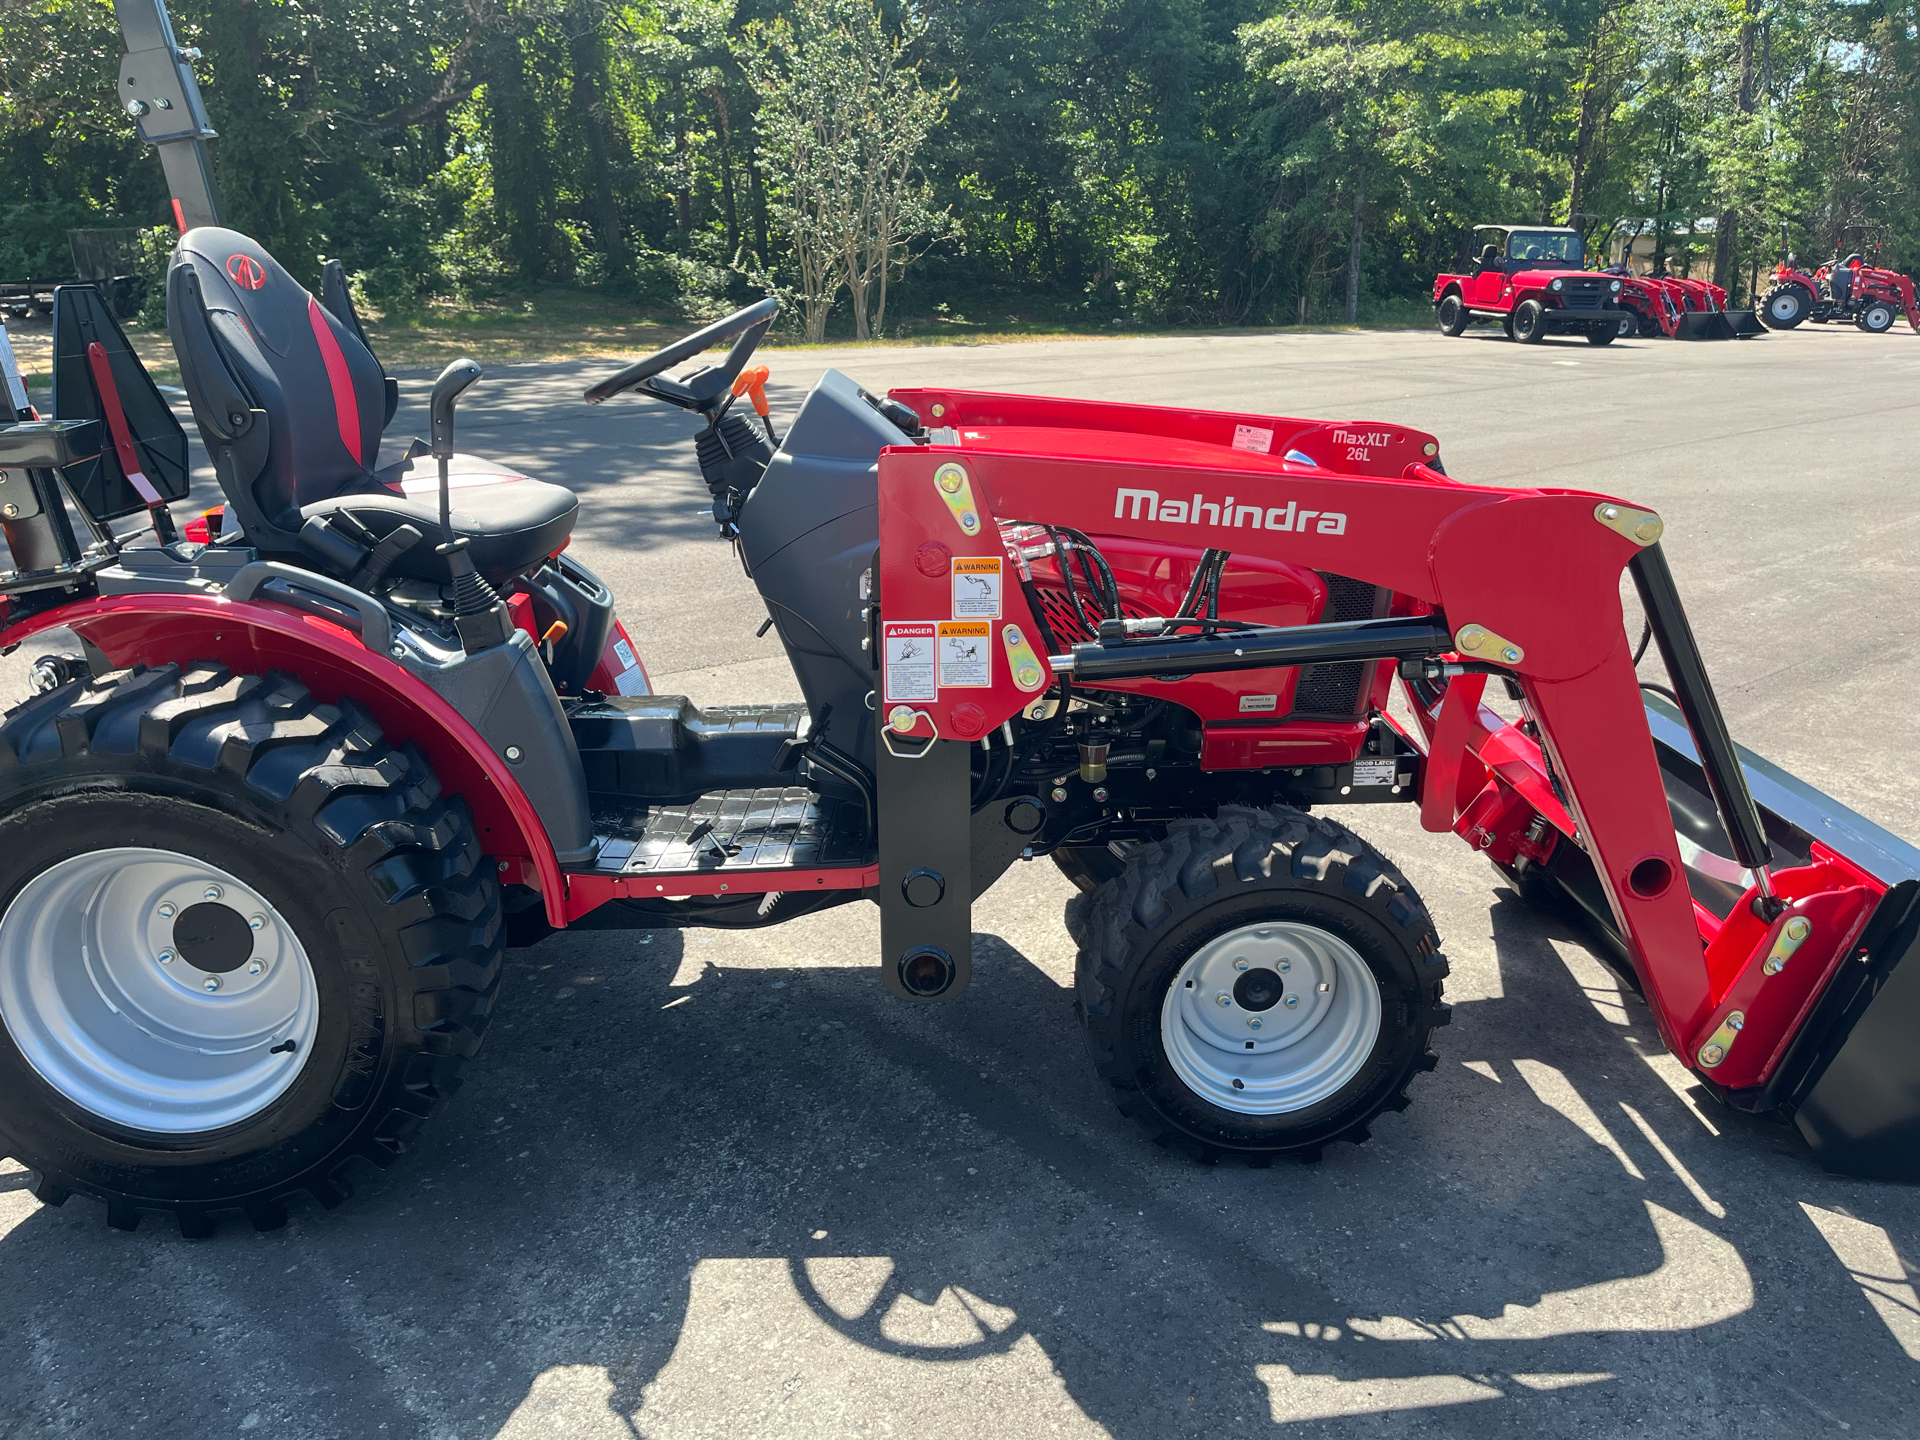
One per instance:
(732,831)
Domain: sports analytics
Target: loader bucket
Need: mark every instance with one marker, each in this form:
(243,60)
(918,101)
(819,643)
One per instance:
(1851,1079)
(1713,325)
(1745,323)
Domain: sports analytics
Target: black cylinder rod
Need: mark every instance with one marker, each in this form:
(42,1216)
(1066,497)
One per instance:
(1718,759)
(1398,637)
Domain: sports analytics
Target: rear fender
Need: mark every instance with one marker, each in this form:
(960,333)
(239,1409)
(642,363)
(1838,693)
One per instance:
(253,637)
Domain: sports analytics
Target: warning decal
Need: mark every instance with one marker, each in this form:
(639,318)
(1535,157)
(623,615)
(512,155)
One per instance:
(1252,437)
(966,653)
(976,586)
(909,660)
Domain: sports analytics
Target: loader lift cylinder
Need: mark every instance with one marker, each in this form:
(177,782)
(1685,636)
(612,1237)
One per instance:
(1719,761)
(1414,637)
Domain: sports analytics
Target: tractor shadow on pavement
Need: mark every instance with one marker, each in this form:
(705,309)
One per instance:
(699,1186)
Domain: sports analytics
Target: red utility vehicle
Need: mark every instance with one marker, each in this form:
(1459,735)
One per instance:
(1846,288)
(1533,280)
(264,840)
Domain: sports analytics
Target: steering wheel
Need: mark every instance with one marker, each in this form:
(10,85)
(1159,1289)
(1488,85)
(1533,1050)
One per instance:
(706,387)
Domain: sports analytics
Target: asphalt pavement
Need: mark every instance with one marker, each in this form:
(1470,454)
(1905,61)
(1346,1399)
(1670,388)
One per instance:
(710,1184)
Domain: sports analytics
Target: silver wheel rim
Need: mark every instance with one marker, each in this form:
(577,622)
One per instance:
(145,1015)
(1785,307)
(1270,1058)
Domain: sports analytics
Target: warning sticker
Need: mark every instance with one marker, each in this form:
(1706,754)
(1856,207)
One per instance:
(976,587)
(966,653)
(1252,437)
(1374,770)
(909,660)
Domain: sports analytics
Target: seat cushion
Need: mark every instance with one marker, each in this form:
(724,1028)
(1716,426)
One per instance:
(511,523)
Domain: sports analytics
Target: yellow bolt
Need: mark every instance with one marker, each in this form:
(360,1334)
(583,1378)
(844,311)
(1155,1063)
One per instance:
(1649,530)
(1799,928)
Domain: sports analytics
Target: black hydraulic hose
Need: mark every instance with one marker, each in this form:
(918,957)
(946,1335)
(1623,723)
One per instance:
(1091,552)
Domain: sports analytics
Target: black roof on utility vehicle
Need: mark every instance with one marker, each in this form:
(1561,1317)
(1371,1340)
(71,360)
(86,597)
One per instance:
(1547,229)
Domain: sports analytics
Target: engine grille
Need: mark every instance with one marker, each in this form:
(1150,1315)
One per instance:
(1333,691)
(1583,292)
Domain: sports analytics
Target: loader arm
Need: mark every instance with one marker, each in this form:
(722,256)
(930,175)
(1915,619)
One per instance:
(1520,586)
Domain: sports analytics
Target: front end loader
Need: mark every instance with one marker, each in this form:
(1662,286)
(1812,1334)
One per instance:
(265,836)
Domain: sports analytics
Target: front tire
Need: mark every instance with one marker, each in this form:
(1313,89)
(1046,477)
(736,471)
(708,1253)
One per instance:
(174,845)
(1328,963)
(1452,315)
(1783,307)
(1529,322)
(1877,318)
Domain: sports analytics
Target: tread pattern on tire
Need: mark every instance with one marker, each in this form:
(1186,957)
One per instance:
(265,740)
(1163,884)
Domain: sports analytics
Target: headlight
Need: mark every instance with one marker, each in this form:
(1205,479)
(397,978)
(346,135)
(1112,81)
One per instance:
(1616,287)
(1556,285)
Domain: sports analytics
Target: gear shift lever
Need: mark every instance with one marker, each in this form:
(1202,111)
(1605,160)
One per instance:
(479,614)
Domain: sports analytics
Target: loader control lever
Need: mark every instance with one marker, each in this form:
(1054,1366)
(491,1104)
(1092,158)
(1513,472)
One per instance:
(479,614)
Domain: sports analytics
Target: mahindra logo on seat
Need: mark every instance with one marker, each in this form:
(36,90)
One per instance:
(1226,514)
(246,272)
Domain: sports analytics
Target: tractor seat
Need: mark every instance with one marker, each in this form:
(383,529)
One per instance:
(292,405)
(511,523)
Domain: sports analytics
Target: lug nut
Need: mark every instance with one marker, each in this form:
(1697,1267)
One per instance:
(165,957)
(1223,999)
(256,922)
(256,966)
(167,910)
(1285,965)
(1239,964)
(212,892)
(1292,1001)
(1253,1022)
(210,984)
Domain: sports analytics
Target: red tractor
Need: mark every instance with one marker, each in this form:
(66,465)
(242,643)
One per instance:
(1674,306)
(1846,288)
(1533,280)
(265,837)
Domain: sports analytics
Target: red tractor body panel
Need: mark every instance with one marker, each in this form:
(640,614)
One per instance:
(1537,569)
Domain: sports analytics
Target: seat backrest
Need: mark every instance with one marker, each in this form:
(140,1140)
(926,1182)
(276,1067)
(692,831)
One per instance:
(322,391)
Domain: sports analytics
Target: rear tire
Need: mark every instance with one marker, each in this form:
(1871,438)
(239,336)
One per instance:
(1452,314)
(1299,895)
(245,791)
(1877,318)
(1529,322)
(1783,307)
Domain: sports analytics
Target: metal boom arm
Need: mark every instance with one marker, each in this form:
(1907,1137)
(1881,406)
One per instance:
(158,91)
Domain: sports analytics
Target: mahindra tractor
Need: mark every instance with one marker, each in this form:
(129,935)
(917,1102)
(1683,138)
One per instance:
(1532,280)
(1845,288)
(298,779)
(1657,304)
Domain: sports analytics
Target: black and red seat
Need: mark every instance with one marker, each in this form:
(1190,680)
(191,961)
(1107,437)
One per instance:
(291,404)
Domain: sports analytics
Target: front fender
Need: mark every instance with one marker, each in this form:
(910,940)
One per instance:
(252,637)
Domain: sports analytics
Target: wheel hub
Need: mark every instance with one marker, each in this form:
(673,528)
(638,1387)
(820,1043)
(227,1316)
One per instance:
(1270,1018)
(155,990)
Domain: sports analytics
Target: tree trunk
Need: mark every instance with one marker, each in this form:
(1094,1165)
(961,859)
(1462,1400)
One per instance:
(590,115)
(1724,232)
(718,95)
(519,169)
(683,189)
(757,203)
(1353,246)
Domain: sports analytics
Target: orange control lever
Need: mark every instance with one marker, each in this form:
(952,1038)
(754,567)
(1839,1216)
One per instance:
(753,384)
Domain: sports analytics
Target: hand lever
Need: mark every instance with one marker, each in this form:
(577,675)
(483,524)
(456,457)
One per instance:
(478,613)
(752,382)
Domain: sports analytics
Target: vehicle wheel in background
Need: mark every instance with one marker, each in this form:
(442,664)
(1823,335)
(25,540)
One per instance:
(1260,983)
(1529,322)
(1783,307)
(1877,318)
(1452,314)
(244,943)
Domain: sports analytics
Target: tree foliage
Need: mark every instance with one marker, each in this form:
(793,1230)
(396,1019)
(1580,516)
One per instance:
(1167,161)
